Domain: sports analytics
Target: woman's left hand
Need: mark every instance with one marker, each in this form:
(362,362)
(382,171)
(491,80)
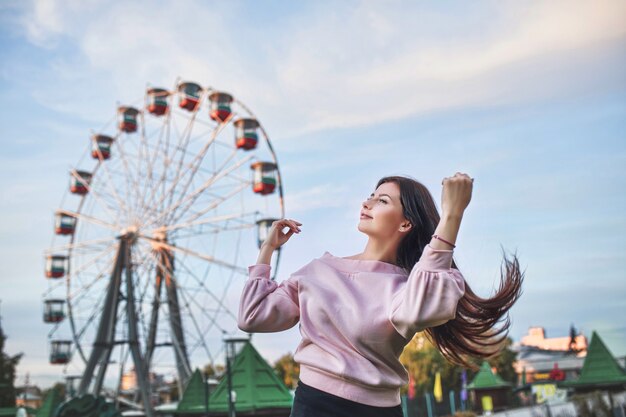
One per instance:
(456,194)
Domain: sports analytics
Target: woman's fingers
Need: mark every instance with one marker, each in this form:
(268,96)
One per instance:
(457,176)
(291,224)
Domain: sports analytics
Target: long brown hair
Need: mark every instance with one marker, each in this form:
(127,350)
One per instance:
(481,325)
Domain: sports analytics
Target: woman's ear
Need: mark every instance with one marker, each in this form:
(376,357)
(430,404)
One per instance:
(405,226)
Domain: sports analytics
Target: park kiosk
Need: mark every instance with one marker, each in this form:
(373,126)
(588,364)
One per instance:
(259,392)
(489,392)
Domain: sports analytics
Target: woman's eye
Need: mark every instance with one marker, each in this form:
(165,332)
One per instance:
(382,201)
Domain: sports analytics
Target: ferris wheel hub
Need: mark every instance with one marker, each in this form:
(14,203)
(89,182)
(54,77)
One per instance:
(130,234)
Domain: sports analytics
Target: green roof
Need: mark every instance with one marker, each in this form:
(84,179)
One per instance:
(12,411)
(193,396)
(50,403)
(254,381)
(600,367)
(485,379)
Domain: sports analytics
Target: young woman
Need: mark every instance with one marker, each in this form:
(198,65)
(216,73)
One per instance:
(357,313)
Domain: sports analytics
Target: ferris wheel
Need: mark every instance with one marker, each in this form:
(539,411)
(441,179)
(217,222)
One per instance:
(154,235)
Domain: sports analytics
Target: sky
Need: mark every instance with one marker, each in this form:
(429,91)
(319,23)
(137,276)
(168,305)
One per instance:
(528,97)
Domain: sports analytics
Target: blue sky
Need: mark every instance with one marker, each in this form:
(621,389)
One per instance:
(527,97)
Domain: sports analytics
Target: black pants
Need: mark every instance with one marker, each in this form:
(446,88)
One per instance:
(311,402)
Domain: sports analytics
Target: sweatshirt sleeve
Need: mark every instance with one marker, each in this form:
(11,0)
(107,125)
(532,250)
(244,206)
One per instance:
(266,306)
(430,296)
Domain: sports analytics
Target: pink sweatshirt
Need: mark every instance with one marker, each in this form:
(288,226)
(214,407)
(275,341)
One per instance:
(355,317)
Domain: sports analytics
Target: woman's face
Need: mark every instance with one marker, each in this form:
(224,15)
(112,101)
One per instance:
(381,213)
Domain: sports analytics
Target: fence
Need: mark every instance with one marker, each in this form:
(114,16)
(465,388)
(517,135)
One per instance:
(589,405)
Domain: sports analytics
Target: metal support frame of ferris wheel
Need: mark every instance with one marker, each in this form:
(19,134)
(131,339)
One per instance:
(165,272)
(105,338)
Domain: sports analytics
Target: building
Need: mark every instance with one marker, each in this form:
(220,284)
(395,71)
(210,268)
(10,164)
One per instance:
(541,359)
(536,337)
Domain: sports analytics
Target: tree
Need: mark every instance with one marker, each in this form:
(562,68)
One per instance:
(288,370)
(7,374)
(423,360)
(211,371)
(503,362)
(572,339)
(58,386)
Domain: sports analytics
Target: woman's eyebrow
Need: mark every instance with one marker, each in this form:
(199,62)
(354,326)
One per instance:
(380,195)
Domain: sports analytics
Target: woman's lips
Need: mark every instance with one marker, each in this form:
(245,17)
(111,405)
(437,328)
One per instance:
(365,216)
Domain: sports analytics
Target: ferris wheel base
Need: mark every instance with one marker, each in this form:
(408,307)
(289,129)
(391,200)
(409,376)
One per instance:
(87,406)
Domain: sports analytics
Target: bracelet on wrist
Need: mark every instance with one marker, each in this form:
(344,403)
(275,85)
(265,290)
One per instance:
(443,240)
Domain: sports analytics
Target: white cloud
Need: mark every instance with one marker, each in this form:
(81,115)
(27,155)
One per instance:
(322,196)
(349,65)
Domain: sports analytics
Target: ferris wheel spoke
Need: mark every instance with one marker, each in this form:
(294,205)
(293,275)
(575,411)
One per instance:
(97,196)
(83,288)
(78,296)
(110,185)
(132,187)
(181,148)
(77,336)
(89,219)
(214,204)
(82,267)
(216,219)
(208,258)
(83,244)
(191,198)
(212,321)
(205,288)
(216,230)
(164,136)
(150,162)
(194,165)
(219,301)
(220,173)
(197,327)
(92,317)
(146,148)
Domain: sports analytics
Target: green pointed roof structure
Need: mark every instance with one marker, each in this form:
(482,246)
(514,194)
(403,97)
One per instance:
(193,396)
(485,379)
(50,403)
(254,381)
(600,367)
(12,411)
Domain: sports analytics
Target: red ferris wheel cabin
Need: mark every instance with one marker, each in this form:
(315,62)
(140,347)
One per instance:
(79,182)
(264,177)
(157,101)
(64,224)
(189,96)
(101,146)
(127,119)
(56,266)
(220,106)
(246,136)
